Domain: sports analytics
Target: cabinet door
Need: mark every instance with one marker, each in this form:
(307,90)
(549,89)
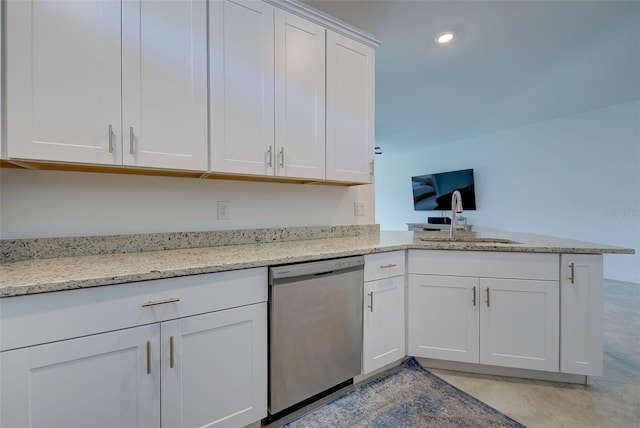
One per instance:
(242,87)
(63,81)
(581,314)
(214,368)
(443,317)
(95,381)
(164,90)
(350,109)
(383,323)
(3,152)
(519,323)
(299,97)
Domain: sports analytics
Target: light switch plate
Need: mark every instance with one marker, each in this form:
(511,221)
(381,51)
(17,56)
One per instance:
(359,208)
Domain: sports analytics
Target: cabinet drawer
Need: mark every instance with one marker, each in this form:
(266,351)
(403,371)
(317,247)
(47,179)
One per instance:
(48,317)
(543,266)
(384,265)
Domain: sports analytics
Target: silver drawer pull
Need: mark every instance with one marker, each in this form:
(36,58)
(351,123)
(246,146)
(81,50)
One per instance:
(131,150)
(390,265)
(161,302)
(171,358)
(572,277)
(110,138)
(148,357)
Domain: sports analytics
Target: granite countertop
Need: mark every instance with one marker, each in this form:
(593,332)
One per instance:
(67,273)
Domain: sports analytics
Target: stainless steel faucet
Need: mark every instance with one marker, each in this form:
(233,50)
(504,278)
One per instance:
(456,207)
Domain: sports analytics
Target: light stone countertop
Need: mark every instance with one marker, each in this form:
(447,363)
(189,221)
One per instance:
(67,273)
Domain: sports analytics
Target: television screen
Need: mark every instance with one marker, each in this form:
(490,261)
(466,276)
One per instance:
(432,192)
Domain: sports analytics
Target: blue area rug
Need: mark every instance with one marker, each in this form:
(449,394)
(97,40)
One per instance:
(409,397)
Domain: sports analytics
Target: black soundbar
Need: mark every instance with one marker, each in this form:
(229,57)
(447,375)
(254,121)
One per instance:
(439,220)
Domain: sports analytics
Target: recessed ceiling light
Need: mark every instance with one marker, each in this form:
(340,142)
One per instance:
(445,38)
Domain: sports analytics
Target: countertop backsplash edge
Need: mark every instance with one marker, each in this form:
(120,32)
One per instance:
(12,250)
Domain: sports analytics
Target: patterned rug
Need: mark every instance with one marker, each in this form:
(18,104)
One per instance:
(410,397)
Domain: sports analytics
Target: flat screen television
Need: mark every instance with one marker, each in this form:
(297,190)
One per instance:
(432,192)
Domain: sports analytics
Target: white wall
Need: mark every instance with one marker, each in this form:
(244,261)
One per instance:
(49,204)
(576,177)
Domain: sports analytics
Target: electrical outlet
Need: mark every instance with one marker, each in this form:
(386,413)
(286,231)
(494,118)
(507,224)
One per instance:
(224,210)
(359,208)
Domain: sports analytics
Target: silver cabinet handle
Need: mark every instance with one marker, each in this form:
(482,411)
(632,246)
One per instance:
(572,269)
(148,357)
(474,296)
(487,301)
(282,157)
(370,301)
(270,161)
(131,140)
(390,265)
(171,358)
(161,302)
(110,138)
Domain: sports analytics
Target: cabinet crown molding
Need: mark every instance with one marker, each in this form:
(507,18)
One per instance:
(325,20)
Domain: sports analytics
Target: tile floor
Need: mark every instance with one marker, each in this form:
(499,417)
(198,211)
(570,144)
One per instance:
(611,401)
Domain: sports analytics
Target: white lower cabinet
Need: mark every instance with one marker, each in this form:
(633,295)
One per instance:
(443,321)
(216,373)
(383,323)
(102,380)
(199,370)
(384,310)
(519,323)
(581,314)
(495,321)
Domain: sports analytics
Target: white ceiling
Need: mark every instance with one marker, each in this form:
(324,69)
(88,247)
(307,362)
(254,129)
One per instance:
(514,62)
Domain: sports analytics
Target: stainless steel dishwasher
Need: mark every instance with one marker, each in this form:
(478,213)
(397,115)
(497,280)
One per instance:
(315,328)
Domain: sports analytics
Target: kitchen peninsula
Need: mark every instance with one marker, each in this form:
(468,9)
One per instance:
(98,267)
(166,321)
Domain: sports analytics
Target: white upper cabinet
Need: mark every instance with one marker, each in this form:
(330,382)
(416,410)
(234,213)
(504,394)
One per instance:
(164,84)
(2,149)
(76,69)
(227,86)
(242,87)
(267,91)
(299,97)
(350,109)
(63,81)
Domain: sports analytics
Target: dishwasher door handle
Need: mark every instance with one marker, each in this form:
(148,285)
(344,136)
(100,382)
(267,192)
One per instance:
(331,272)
